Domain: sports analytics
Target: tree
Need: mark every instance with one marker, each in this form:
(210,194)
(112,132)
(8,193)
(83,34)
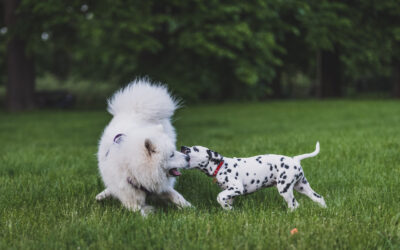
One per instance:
(20,65)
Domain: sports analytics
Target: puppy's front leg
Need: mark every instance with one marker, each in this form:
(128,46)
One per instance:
(177,198)
(225,198)
(103,195)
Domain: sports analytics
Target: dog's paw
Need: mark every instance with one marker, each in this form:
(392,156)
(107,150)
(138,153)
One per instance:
(322,203)
(146,210)
(100,197)
(185,204)
(223,203)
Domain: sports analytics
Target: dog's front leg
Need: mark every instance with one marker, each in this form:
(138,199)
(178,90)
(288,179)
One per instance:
(103,195)
(177,198)
(225,198)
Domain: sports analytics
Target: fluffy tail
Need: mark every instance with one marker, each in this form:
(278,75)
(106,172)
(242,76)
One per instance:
(141,97)
(304,156)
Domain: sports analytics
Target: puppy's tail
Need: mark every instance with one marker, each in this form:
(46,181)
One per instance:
(304,156)
(151,101)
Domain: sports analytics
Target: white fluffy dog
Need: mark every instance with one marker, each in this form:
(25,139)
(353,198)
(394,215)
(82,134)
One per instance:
(137,153)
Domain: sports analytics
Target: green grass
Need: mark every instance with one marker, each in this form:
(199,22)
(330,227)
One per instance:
(49,178)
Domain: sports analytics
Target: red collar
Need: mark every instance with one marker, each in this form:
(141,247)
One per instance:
(219,166)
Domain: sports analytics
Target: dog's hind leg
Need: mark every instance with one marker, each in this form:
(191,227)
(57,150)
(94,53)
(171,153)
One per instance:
(103,195)
(132,199)
(286,191)
(304,187)
(176,198)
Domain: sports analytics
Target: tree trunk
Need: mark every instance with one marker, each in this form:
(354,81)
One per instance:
(396,79)
(329,80)
(276,84)
(20,67)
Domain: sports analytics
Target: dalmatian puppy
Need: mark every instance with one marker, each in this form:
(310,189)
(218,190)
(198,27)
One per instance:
(238,176)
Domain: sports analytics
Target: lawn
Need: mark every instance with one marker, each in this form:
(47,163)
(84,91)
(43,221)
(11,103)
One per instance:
(49,178)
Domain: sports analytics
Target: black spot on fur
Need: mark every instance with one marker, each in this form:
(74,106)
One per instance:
(231,188)
(282,165)
(252,182)
(282,158)
(237,173)
(195,149)
(258,181)
(235,165)
(272,175)
(317,195)
(226,178)
(270,168)
(247,174)
(287,166)
(295,167)
(229,170)
(285,189)
(237,192)
(282,174)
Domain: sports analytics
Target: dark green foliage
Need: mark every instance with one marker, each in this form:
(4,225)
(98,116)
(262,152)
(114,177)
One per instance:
(213,50)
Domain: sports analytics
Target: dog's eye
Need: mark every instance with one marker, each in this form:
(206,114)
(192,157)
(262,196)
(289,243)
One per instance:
(172,155)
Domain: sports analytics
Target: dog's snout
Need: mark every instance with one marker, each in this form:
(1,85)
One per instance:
(185,150)
(187,158)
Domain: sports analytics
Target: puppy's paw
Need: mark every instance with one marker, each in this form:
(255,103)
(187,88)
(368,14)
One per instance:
(223,203)
(322,203)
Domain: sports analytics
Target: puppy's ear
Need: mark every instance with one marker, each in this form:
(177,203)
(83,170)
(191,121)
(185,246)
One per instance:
(209,153)
(150,148)
(216,155)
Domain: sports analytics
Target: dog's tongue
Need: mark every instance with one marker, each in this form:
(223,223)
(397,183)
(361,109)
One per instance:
(174,172)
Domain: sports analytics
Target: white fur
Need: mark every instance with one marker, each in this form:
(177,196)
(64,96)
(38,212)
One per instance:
(238,176)
(142,113)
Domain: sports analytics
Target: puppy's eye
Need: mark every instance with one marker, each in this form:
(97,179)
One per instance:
(172,155)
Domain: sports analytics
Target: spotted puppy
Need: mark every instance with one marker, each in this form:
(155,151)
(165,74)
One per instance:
(237,176)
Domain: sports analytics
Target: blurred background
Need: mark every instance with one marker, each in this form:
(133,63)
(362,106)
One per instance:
(62,54)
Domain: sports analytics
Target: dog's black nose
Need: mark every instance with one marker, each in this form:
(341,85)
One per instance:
(185,150)
(187,158)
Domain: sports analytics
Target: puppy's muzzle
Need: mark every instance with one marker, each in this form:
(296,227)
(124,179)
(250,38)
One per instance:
(185,150)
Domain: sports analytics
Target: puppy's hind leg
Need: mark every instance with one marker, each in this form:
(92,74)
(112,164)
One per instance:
(304,187)
(286,191)
(106,193)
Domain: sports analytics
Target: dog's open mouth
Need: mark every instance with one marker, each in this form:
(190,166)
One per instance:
(174,172)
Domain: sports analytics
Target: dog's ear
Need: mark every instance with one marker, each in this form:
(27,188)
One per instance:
(150,148)
(216,155)
(209,153)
